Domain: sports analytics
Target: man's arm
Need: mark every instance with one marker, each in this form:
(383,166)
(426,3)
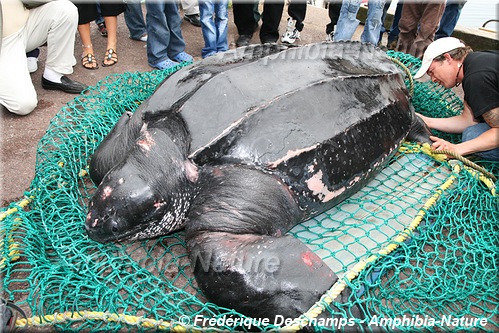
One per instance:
(486,141)
(456,124)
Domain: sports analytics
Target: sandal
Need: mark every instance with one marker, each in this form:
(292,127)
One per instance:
(110,56)
(88,61)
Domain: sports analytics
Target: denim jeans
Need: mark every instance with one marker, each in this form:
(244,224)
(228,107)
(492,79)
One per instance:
(348,22)
(134,19)
(164,37)
(214,25)
(394,29)
(449,19)
(475,131)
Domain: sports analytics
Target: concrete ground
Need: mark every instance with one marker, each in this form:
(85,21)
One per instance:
(20,134)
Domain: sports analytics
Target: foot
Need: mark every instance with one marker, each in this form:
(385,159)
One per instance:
(142,38)
(291,34)
(193,19)
(32,59)
(88,61)
(102,29)
(268,41)
(166,64)
(66,85)
(243,40)
(392,45)
(110,58)
(330,37)
(183,57)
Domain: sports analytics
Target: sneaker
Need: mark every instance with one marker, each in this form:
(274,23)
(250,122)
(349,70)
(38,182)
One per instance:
(32,59)
(193,19)
(102,29)
(166,64)
(183,57)
(291,34)
(330,37)
(32,64)
(143,38)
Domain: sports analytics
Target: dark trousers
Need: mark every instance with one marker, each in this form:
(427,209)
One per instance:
(271,17)
(297,10)
(394,29)
(333,10)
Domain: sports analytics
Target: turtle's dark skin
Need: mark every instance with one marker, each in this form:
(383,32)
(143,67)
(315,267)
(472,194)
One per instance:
(241,147)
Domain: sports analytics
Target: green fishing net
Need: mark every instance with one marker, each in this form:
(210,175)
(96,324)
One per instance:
(417,247)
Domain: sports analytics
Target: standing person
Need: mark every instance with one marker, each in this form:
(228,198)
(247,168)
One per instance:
(383,18)
(297,9)
(101,25)
(24,30)
(214,25)
(134,19)
(88,12)
(333,11)
(191,12)
(418,24)
(449,62)
(393,35)
(246,24)
(165,44)
(450,17)
(347,23)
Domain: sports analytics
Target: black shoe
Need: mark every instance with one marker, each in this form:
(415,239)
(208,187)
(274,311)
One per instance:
(243,40)
(66,85)
(268,41)
(193,19)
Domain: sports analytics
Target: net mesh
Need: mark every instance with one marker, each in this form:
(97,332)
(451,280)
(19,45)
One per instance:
(417,246)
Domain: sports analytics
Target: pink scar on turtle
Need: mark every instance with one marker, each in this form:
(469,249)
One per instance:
(159,204)
(106,192)
(94,223)
(146,141)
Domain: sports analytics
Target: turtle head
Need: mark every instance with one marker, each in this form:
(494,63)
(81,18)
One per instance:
(144,196)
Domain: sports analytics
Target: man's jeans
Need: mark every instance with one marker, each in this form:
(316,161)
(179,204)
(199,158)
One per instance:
(348,22)
(475,131)
(214,24)
(164,37)
(134,19)
(449,19)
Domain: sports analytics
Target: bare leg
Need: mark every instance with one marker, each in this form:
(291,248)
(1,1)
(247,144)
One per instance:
(87,54)
(112,26)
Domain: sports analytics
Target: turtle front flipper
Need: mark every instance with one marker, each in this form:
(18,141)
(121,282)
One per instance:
(240,256)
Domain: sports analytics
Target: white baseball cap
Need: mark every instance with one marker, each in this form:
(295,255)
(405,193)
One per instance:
(435,49)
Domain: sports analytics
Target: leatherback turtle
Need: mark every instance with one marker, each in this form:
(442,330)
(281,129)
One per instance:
(239,148)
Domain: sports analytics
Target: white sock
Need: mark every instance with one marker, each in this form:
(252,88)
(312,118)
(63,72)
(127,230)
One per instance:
(52,75)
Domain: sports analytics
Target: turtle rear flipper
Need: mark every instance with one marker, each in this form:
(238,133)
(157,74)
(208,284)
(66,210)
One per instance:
(259,276)
(240,256)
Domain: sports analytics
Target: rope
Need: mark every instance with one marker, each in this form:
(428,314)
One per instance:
(58,318)
(408,72)
(439,155)
(22,203)
(465,162)
(350,275)
(12,247)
